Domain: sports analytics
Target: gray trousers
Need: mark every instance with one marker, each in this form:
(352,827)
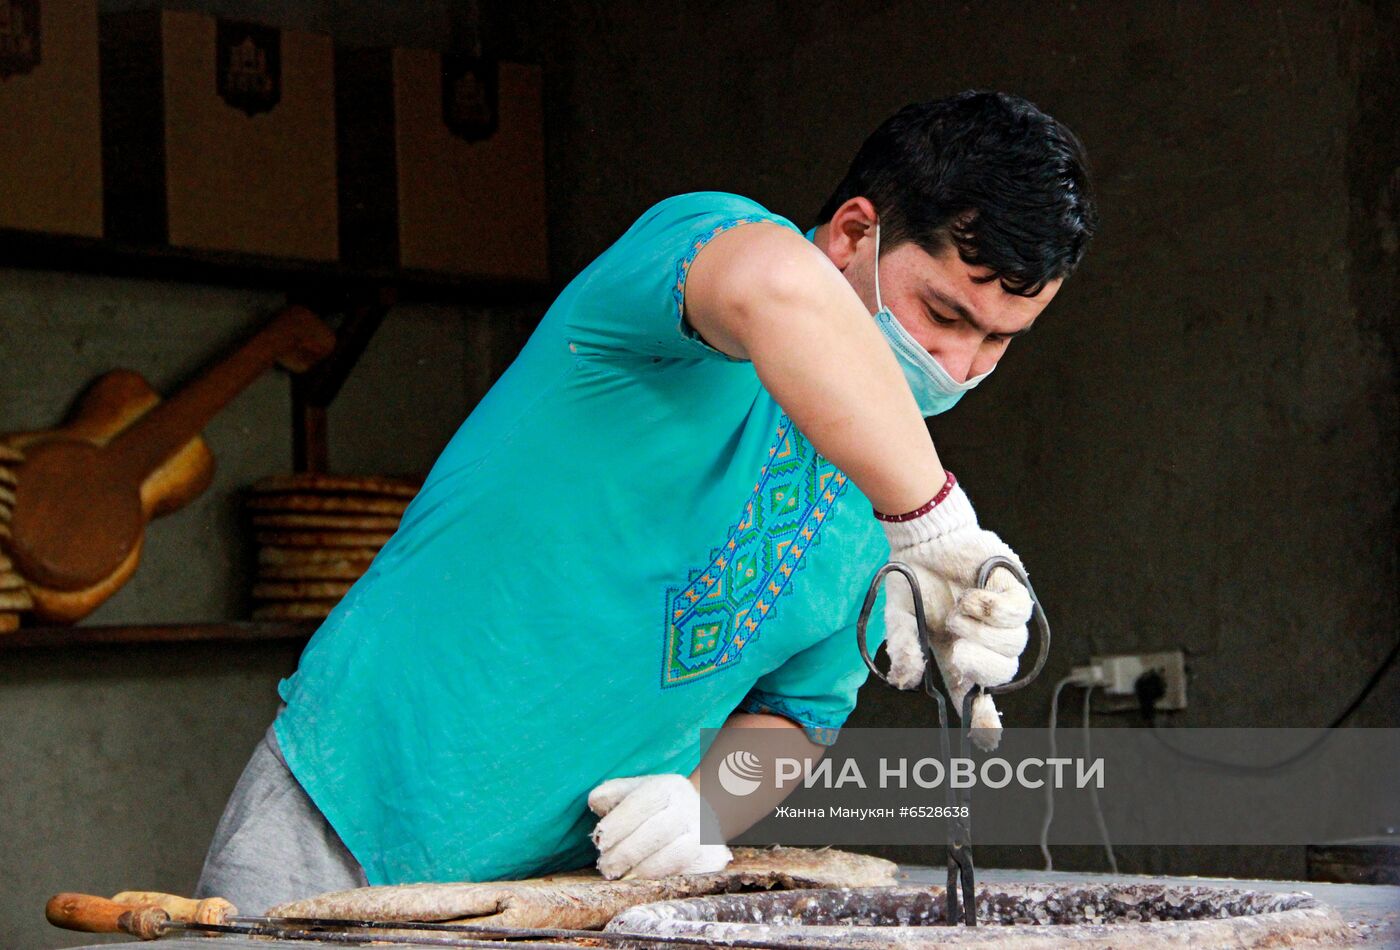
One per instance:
(273,844)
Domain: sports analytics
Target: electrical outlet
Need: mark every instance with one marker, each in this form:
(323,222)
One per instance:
(1117,675)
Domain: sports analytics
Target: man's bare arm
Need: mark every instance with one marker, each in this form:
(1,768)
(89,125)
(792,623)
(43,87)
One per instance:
(765,293)
(783,738)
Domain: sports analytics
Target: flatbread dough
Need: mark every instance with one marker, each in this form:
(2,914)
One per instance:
(8,476)
(18,599)
(10,454)
(317,482)
(583,899)
(271,554)
(9,580)
(333,521)
(323,571)
(295,610)
(7,496)
(9,622)
(348,504)
(300,590)
(324,539)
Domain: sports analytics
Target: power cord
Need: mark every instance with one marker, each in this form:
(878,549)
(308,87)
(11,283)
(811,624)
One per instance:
(1094,789)
(1050,786)
(1150,687)
(1370,685)
(1074,679)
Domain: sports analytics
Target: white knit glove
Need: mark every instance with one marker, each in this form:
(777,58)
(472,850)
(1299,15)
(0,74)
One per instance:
(650,828)
(977,634)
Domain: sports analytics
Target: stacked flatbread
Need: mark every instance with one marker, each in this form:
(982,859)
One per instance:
(14,593)
(316,535)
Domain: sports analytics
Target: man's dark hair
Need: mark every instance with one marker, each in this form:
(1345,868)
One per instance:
(988,172)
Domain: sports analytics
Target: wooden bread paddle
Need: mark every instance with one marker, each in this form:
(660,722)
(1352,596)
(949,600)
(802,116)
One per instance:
(86,490)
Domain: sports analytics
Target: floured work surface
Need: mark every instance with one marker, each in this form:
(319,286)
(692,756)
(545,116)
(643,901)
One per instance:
(583,899)
(1035,917)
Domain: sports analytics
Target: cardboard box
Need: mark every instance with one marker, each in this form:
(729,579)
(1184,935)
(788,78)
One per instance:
(219,135)
(50,133)
(442,163)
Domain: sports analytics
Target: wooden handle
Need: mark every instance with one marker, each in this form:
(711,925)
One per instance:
(97,915)
(210,910)
(153,438)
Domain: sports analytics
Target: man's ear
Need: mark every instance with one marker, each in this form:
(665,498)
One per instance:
(852,223)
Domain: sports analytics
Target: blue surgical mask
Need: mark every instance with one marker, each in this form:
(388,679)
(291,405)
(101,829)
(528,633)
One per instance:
(934,390)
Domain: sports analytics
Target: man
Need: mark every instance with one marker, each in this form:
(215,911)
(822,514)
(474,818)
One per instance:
(660,520)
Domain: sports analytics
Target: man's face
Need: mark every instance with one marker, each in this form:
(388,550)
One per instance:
(964,324)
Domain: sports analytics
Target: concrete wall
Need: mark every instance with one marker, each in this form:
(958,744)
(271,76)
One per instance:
(1196,447)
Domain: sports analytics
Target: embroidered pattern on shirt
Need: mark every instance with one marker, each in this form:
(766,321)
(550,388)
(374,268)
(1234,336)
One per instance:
(723,605)
(820,729)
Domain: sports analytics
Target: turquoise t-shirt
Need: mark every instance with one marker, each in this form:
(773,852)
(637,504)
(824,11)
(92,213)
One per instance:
(626,541)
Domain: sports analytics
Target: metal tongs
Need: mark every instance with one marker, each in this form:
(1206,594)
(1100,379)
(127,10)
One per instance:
(959,800)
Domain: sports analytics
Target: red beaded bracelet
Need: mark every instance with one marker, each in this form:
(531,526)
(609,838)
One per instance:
(926,507)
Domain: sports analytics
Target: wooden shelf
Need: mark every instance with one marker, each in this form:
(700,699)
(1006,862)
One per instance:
(71,254)
(224,631)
